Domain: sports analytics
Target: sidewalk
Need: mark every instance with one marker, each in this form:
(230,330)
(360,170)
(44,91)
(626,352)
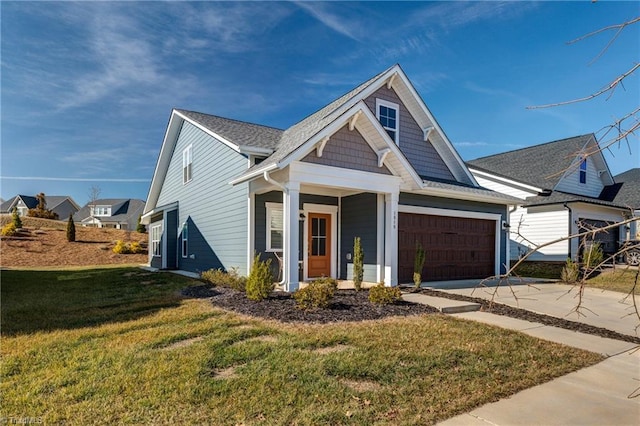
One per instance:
(596,395)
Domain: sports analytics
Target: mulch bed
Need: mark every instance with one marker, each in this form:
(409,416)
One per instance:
(347,305)
(351,305)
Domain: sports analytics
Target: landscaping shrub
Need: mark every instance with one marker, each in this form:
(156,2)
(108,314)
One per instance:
(418,264)
(592,255)
(17,221)
(121,247)
(260,281)
(135,247)
(358,264)
(71,229)
(570,273)
(9,230)
(140,227)
(231,279)
(317,294)
(382,295)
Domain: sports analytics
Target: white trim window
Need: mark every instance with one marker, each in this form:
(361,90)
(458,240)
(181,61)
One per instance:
(187,163)
(156,237)
(275,227)
(583,171)
(388,114)
(185,240)
(101,210)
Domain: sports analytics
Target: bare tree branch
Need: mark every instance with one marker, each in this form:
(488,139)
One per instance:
(618,27)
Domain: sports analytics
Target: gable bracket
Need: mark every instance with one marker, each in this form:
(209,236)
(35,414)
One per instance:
(320,146)
(354,119)
(390,81)
(427,131)
(382,154)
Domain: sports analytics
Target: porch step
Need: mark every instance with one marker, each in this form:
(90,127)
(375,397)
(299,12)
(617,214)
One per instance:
(446,306)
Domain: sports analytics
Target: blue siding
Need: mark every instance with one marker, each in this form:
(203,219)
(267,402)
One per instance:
(216,211)
(171,234)
(359,219)
(462,205)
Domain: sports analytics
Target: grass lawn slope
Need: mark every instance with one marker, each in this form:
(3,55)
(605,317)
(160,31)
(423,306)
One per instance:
(120,345)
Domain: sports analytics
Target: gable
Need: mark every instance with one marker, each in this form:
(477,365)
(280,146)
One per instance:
(421,154)
(348,149)
(592,176)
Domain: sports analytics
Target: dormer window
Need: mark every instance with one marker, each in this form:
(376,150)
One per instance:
(101,211)
(583,171)
(388,115)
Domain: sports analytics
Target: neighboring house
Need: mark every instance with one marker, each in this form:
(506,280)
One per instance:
(567,187)
(119,213)
(372,164)
(61,204)
(629,196)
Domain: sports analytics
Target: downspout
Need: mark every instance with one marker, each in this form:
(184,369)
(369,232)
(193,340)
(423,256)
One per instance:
(285,191)
(566,206)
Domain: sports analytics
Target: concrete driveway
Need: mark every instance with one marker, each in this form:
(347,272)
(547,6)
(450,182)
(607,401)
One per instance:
(600,308)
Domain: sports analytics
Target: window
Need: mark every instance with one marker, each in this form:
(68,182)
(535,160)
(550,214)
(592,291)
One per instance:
(187,160)
(185,240)
(275,233)
(388,115)
(101,210)
(156,236)
(583,171)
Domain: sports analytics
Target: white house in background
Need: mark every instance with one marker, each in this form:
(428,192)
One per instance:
(567,188)
(118,213)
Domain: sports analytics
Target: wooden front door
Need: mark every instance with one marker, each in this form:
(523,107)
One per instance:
(319,245)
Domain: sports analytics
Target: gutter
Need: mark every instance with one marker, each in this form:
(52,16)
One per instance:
(566,206)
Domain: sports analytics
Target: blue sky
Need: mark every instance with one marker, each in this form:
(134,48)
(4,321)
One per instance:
(87,87)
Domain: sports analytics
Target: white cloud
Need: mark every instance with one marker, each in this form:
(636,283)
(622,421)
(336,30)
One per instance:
(346,26)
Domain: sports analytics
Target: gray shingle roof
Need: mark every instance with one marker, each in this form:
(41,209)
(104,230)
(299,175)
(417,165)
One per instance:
(467,189)
(32,202)
(558,197)
(629,193)
(124,209)
(541,166)
(237,132)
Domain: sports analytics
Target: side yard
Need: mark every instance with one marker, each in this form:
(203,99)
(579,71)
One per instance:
(121,345)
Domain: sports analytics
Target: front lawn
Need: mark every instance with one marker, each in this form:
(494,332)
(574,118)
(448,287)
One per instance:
(115,346)
(621,279)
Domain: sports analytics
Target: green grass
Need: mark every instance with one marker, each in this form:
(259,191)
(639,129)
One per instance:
(103,347)
(621,280)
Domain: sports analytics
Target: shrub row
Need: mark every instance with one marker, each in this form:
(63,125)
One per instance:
(133,247)
(220,278)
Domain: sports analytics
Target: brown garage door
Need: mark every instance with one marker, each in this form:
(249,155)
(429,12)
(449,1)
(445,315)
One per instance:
(456,248)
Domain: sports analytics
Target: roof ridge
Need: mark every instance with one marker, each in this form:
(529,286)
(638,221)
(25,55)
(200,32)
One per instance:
(535,146)
(229,119)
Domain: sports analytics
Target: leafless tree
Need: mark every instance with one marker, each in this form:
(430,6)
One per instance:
(94,195)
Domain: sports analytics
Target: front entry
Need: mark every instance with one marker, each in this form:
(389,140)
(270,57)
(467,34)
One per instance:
(319,245)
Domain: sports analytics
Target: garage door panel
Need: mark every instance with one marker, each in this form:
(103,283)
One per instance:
(456,248)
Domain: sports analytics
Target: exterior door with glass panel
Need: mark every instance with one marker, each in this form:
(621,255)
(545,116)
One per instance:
(319,245)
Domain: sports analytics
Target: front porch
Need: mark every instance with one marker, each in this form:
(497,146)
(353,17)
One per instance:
(306,223)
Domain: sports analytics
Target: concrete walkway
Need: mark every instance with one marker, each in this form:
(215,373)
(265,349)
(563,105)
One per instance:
(597,395)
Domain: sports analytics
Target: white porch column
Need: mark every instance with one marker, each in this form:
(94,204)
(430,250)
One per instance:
(391,239)
(291,218)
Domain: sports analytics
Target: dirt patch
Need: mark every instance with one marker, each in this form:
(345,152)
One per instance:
(49,247)
(226,373)
(332,349)
(362,385)
(347,305)
(183,343)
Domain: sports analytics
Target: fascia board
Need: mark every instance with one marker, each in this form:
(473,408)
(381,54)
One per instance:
(209,132)
(506,181)
(254,174)
(164,158)
(436,125)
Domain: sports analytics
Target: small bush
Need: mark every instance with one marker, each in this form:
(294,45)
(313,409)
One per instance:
(382,295)
(231,279)
(358,264)
(140,227)
(570,273)
(17,221)
(121,248)
(260,281)
(135,247)
(592,255)
(71,229)
(317,294)
(9,230)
